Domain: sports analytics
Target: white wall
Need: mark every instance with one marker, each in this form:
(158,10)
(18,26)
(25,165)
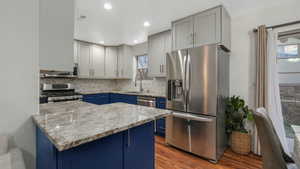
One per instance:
(19,73)
(242,62)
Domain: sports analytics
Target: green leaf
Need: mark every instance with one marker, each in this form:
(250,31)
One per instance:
(236,113)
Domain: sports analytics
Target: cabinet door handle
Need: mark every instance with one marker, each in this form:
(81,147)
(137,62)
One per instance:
(192,38)
(162,69)
(195,35)
(128,138)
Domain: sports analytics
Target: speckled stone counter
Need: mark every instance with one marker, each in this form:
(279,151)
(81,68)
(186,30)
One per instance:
(69,124)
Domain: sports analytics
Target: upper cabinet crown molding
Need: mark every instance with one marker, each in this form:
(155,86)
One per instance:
(56,31)
(207,27)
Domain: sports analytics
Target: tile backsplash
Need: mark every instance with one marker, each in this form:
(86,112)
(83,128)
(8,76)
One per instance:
(83,85)
(157,85)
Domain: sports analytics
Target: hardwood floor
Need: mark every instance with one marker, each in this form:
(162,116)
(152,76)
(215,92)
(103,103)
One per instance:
(170,158)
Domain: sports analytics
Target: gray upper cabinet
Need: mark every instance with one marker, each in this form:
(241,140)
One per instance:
(97,62)
(226,28)
(208,27)
(158,46)
(111,58)
(125,62)
(90,61)
(84,54)
(182,33)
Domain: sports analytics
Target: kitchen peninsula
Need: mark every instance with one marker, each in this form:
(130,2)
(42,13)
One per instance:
(80,135)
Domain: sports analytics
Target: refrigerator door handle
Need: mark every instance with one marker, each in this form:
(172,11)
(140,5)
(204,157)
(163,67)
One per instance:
(192,117)
(188,79)
(184,83)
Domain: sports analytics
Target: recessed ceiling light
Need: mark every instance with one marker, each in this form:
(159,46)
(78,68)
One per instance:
(135,41)
(107,6)
(101,42)
(146,24)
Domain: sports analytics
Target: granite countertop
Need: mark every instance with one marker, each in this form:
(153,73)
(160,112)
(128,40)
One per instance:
(152,94)
(69,124)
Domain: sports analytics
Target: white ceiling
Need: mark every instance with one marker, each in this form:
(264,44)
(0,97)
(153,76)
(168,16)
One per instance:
(124,23)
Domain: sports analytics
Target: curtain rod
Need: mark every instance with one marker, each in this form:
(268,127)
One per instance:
(281,25)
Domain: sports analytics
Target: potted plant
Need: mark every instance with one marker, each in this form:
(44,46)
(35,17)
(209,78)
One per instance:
(237,113)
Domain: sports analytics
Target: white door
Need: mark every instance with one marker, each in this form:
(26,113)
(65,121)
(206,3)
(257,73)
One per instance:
(84,60)
(182,33)
(156,48)
(111,54)
(207,27)
(97,61)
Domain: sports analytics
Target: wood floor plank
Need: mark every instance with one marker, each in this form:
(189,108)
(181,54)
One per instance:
(171,158)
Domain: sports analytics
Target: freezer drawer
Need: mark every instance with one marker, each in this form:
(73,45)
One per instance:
(177,132)
(193,133)
(203,138)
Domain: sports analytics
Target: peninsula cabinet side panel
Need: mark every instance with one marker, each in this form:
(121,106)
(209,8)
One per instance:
(103,153)
(46,153)
(139,147)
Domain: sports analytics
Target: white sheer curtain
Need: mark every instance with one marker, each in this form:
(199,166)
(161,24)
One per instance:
(273,98)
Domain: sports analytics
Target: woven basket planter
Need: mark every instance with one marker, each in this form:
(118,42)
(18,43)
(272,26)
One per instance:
(240,142)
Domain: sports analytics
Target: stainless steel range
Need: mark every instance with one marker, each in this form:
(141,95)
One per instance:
(198,83)
(59,93)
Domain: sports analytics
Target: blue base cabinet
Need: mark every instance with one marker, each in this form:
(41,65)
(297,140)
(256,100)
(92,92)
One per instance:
(161,103)
(130,99)
(139,147)
(102,153)
(96,98)
(131,149)
(161,123)
(161,127)
(46,153)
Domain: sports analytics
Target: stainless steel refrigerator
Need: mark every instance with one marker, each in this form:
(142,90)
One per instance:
(197,86)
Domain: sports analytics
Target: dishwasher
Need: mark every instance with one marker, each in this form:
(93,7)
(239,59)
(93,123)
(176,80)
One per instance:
(147,101)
